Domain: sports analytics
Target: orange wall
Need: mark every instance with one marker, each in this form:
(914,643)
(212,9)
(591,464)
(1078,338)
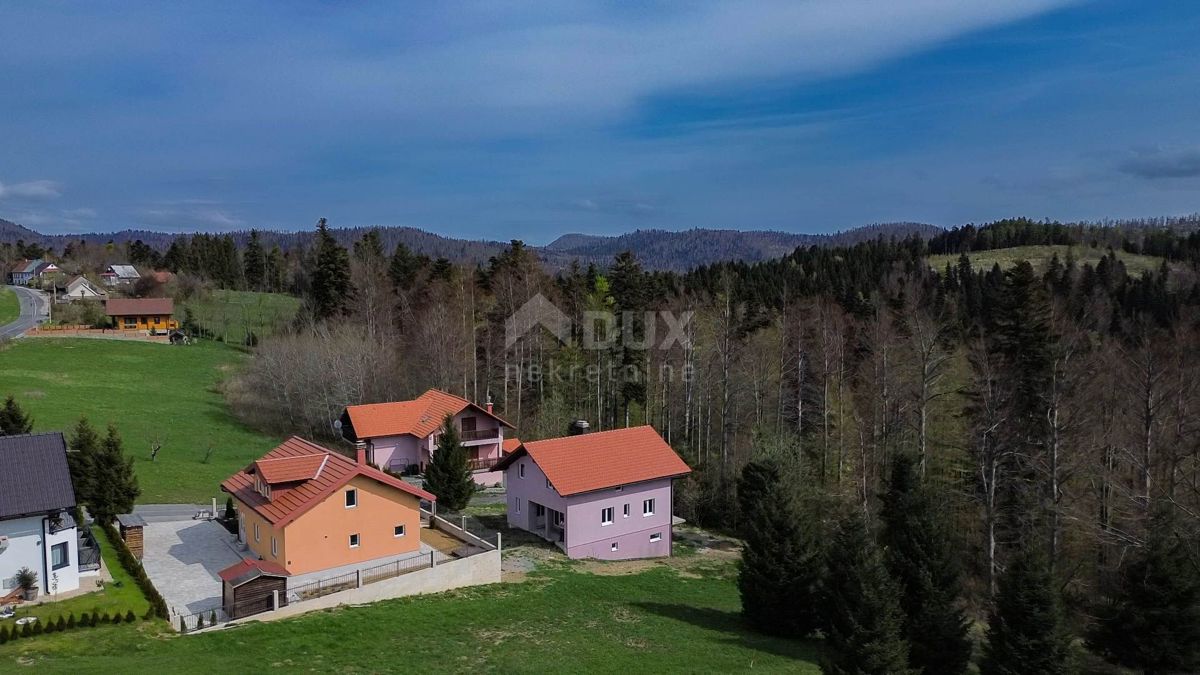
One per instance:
(161,322)
(262,547)
(320,538)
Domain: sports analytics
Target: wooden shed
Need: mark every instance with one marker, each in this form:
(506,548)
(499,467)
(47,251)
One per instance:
(249,587)
(131,526)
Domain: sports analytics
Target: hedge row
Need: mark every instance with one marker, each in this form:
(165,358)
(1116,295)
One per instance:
(158,606)
(70,623)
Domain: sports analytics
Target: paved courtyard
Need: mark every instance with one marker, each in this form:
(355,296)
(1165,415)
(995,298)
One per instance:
(183,558)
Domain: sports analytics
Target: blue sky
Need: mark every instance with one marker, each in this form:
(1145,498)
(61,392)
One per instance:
(502,120)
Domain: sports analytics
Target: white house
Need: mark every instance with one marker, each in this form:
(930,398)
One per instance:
(36,527)
(80,288)
(118,275)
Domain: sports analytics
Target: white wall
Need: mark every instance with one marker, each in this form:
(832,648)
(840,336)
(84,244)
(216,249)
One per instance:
(26,549)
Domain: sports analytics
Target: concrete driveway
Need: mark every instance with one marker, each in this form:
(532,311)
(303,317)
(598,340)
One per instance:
(182,558)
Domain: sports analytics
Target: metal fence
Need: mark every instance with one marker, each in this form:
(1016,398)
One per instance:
(196,620)
(394,569)
(320,587)
(89,552)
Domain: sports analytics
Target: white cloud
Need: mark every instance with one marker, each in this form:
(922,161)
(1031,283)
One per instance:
(187,216)
(32,190)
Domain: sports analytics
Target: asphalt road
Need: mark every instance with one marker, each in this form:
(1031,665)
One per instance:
(34,305)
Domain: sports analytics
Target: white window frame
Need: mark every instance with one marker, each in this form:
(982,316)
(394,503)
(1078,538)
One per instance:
(274,548)
(625,511)
(606,516)
(548,485)
(521,470)
(354,540)
(618,488)
(614,546)
(657,536)
(256,534)
(518,503)
(647,507)
(403,531)
(351,496)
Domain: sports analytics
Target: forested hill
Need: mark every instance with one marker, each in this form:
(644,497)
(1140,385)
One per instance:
(658,249)
(662,250)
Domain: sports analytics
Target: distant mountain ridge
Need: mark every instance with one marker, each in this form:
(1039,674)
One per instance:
(657,249)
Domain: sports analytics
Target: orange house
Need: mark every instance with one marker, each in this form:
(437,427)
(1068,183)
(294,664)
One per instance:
(142,313)
(308,509)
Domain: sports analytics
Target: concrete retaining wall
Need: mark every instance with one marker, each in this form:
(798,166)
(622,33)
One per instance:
(477,570)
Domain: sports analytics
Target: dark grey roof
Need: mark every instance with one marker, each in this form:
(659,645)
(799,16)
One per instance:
(34,477)
(131,520)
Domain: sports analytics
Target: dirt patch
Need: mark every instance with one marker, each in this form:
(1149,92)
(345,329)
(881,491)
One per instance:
(439,540)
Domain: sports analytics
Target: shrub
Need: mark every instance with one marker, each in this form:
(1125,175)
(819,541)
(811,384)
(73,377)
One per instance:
(212,618)
(130,617)
(71,621)
(38,628)
(85,620)
(26,631)
(50,626)
(158,606)
(3,634)
(200,622)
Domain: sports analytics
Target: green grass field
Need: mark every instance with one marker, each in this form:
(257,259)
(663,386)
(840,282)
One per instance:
(10,306)
(151,392)
(563,620)
(1040,256)
(231,315)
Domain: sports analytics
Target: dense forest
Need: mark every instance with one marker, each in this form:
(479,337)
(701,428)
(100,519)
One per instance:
(1046,410)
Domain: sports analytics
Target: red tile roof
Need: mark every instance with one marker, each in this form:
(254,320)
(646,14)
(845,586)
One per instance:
(291,469)
(248,566)
(139,306)
(510,445)
(577,464)
(290,500)
(419,417)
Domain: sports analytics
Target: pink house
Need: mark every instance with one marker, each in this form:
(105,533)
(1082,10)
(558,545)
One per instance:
(402,436)
(604,495)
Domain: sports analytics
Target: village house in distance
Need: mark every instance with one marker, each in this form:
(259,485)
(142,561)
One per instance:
(604,495)
(402,436)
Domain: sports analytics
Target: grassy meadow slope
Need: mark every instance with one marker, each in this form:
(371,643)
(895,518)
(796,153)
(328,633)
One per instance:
(231,316)
(152,392)
(1040,256)
(10,306)
(560,620)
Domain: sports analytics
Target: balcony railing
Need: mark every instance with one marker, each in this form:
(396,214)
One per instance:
(481,464)
(481,435)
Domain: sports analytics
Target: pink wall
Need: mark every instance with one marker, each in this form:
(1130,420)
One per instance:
(531,487)
(394,452)
(588,537)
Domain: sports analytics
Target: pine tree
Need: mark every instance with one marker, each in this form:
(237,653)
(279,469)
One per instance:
(1153,623)
(865,623)
(275,268)
(84,444)
(920,556)
(781,569)
(115,485)
(331,288)
(1026,634)
(448,475)
(403,267)
(14,420)
(254,262)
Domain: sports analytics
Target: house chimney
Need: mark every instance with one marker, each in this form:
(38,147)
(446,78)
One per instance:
(578,428)
(360,452)
(489,403)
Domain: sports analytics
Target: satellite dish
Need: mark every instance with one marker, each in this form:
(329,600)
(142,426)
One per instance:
(337,424)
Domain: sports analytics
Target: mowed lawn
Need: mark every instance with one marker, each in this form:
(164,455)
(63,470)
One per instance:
(10,306)
(1040,257)
(152,393)
(562,621)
